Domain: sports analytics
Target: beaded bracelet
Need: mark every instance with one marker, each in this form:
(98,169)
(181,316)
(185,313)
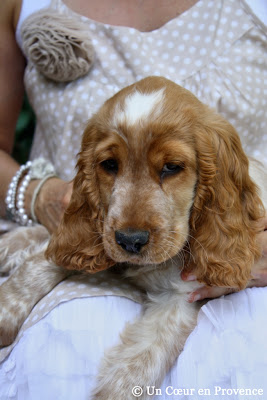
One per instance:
(12,192)
(21,216)
(37,169)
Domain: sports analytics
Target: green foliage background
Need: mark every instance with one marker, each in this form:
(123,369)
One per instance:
(24,133)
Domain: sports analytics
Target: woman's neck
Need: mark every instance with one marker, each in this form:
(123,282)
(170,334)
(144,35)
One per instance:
(144,15)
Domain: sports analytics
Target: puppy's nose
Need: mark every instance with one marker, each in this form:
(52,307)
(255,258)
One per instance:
(132,240)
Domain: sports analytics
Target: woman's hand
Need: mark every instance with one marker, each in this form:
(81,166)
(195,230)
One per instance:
(51,201)
(259,274)
(259,271)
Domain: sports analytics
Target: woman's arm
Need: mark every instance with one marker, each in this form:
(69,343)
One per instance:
(12,66)
(55,194)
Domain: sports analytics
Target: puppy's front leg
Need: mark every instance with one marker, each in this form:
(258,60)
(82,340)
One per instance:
(19,294)
(16,245)
(148,348)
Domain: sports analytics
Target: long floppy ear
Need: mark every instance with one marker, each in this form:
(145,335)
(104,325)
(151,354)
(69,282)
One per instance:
(77,243)
(226,208)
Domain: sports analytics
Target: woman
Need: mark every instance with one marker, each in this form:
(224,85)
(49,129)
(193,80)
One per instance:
(213,48)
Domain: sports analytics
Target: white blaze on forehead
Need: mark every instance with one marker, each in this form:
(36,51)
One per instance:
(139,106)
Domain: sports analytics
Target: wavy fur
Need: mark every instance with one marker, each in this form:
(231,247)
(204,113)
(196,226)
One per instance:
(226,207)
(181,177)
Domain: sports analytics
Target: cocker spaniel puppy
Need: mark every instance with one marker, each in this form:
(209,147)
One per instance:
(162,185)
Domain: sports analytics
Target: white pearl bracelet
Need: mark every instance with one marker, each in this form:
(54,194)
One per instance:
(12,212)
(37,169)
(21,216)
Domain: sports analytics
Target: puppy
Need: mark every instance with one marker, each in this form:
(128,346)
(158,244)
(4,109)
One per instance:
(162,185)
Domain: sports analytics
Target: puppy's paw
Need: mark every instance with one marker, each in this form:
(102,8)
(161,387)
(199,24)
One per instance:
(119,387)
(5,243)
(11,320)
(13,312)
(124,376)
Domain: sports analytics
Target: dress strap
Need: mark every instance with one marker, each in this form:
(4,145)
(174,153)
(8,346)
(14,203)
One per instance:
(28,7)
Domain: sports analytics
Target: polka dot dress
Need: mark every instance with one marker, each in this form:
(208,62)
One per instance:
(216,49)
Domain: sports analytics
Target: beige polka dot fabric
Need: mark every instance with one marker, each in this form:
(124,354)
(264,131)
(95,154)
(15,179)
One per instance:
(217,50)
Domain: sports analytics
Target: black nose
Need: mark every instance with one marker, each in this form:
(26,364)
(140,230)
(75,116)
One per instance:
(132,240)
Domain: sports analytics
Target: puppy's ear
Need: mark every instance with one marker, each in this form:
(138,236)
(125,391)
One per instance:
(77,244)
(226,208)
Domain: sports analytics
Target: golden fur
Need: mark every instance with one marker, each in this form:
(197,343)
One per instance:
(226,206)
(164,171)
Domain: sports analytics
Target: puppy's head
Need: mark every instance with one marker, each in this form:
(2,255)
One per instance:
(158,172)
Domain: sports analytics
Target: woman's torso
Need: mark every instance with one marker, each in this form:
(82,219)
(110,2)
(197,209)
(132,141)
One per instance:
(216,49)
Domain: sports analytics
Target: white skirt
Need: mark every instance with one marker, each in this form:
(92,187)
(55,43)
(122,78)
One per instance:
(225,357)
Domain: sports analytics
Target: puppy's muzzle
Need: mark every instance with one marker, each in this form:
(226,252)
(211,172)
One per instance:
(132,240)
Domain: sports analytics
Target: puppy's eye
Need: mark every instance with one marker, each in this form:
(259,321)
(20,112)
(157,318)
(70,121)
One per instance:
(110,166)
(171,169)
